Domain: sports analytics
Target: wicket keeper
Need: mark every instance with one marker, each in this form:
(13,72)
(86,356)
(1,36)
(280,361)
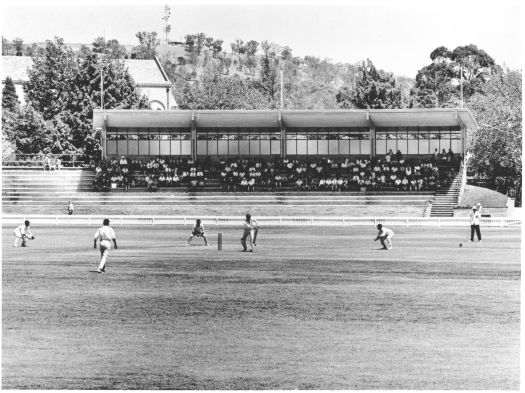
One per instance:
(198,230)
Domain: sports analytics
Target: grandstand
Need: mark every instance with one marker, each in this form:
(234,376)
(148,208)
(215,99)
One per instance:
(266,162)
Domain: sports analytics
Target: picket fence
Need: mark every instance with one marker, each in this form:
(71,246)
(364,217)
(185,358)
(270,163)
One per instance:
(123,220)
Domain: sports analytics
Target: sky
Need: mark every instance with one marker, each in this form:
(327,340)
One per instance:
(398,36)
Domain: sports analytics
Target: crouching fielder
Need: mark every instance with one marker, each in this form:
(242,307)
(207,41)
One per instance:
(198,230)
(105,234)
(385,235)
(250,227)
(23,232)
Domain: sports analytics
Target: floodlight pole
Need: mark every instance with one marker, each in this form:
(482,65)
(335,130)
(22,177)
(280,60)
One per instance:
(101,89)
(282,91)
(461,83)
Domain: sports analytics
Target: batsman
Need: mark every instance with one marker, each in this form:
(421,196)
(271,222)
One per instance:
(251,228)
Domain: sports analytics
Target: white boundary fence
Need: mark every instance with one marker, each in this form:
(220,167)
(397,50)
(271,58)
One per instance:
(116,220)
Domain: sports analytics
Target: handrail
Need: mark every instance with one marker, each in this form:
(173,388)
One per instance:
(463,181)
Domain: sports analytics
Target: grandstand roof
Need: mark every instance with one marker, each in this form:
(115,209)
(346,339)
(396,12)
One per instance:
(289,118)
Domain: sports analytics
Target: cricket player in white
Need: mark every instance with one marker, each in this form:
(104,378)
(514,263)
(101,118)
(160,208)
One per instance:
(385,234)
(23,232)
(105,234)
(250,225)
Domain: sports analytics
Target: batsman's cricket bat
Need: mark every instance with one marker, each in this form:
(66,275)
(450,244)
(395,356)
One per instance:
(255,235)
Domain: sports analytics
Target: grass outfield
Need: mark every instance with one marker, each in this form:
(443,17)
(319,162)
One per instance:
(312,308)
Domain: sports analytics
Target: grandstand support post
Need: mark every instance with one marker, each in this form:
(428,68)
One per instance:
(372,141)
(283,136)
(193,137)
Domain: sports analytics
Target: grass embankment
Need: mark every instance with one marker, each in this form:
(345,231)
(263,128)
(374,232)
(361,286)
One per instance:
(487,198)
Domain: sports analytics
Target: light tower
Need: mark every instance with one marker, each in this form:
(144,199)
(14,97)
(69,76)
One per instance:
(167,29)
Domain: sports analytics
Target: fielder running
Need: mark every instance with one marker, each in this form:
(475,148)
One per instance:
(105,234)
(385,234)
(23,232)
(198,230)
(250,227)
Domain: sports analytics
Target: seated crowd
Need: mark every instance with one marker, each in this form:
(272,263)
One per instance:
(333,174)
(391,172)
(153,174)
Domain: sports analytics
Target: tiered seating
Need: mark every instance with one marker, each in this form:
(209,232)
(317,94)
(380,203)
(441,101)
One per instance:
(34,191)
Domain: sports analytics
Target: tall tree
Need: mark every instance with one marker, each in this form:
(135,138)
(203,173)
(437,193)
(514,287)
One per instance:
(9,97)
(439,83)
(251,47)
(148,44)
(217,47)
(375,89)
(497,145)
(50,79)
(64,88)
(268,81)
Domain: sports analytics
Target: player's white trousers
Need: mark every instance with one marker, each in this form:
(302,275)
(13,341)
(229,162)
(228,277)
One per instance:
(17,238)
(104,254)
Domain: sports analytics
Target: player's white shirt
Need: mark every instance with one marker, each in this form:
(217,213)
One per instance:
(475,217)
(105,234)
(250,225)
(386,232)
(23,230)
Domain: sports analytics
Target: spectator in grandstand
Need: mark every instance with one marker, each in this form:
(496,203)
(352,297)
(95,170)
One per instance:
(385,235)
(475,218)
(399,156)
(47,163)
(389,155)
(450,156)
(198,231)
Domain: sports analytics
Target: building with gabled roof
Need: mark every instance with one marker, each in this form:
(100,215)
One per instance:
(149,75)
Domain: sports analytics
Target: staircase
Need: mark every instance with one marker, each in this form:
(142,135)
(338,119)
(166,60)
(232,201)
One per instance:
(28,183)
(446,199)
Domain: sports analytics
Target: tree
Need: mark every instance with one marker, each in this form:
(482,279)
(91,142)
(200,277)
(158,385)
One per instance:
(18,44)
(9,97)
(64,88)
(111,48)
(200,39)
(375,89)
(217,47)
(434,87)
(497,144)
(251,47)
(214,91)
(50,79)
(439,83)
(475,66)
(148,44)
(268,82)
(286,53)
(208,43)
(344,97)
